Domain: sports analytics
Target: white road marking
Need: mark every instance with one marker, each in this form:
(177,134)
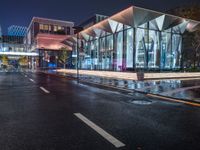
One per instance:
(31,80)
(26,76)
(43,89)
(99,130)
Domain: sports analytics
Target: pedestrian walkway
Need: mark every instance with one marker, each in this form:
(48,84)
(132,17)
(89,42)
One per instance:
(187,89)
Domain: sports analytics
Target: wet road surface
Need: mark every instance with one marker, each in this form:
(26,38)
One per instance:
(38,112)
(187,89)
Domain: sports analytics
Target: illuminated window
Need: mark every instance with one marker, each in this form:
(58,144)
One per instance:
(46,27)
(41,27)
(55,28)
(59,28)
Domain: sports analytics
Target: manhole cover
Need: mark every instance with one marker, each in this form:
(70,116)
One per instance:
(141,102)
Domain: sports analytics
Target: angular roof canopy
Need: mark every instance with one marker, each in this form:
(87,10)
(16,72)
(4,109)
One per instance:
(193,26)
(137,17)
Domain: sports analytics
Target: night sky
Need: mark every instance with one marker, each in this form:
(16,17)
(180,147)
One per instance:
(20,12)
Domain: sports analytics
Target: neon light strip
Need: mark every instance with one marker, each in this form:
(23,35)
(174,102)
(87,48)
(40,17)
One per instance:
(19,53)
(131,76)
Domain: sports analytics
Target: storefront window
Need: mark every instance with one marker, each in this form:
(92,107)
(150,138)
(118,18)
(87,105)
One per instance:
(119,44)
(176,50)
(141,47)
(129,48)
(154,49)
(166,51)
(109,49)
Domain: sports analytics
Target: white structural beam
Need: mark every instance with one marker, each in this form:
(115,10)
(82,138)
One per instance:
(171,21)
(181,27)
(89,31)
(193,26)
(99,32)
(104,25)
(85,36)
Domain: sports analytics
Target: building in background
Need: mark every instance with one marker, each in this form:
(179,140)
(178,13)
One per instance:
(1,45)
(135,38)
(14,49)
(92,21)
(17,30)
(45,37)
(12,44)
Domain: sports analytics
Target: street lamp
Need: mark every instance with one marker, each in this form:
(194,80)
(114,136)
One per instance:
(77,32)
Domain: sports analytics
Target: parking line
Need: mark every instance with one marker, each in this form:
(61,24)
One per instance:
(44,90)
(99,130)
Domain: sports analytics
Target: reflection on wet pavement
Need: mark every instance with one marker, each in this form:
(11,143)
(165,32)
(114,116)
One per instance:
(162,87)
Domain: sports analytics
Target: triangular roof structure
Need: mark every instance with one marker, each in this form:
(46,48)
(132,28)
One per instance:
(135,17)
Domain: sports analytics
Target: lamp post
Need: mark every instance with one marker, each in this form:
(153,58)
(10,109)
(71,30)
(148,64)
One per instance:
(77,32)
(77,57)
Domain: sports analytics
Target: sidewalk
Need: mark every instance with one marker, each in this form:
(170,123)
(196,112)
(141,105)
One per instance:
(183,89)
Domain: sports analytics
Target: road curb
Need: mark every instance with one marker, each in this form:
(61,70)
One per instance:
(188,102)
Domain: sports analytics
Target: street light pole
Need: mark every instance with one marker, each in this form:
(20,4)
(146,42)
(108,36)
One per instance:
(77,32)
(77,57)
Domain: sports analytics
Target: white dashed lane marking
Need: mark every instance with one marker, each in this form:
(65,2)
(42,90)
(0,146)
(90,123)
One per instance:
(100,131)
(31,80)
(44,90)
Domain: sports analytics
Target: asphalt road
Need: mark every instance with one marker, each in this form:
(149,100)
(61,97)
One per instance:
(37,112)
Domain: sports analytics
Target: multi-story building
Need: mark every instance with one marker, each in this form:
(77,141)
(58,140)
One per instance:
(45,37)
(17,30)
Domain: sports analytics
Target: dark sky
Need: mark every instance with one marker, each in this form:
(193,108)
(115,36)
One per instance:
(20,12)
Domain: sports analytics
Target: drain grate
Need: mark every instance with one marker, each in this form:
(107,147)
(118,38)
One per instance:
(141,102)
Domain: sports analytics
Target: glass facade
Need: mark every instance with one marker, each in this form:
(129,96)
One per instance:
(130,48)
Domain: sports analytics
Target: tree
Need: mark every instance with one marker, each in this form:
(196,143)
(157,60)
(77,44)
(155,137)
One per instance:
(4,60)
(63,56)
(190,53)
(196,47)
(23,61)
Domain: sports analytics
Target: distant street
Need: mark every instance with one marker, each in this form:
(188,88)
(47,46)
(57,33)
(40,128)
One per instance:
(44,112)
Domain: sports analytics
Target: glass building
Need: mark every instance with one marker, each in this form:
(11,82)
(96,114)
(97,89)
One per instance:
(132,39)
(15,30)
